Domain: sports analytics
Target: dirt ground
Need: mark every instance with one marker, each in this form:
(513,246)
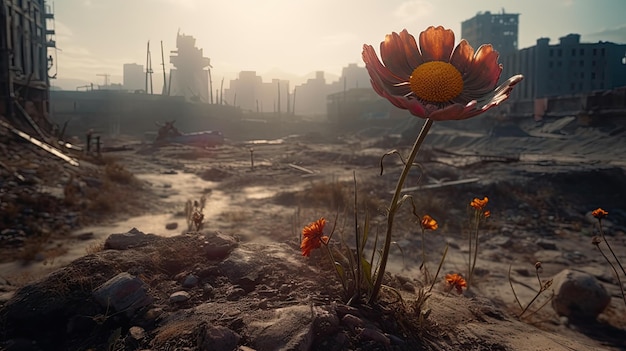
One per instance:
(264,192)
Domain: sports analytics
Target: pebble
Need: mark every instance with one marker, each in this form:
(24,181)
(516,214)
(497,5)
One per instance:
(179,296)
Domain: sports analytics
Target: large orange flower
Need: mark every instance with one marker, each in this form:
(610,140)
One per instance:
(437,80)
(313,236)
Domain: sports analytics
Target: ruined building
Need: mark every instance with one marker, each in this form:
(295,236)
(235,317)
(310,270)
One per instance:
(26,33)
(498,29)
(189,78)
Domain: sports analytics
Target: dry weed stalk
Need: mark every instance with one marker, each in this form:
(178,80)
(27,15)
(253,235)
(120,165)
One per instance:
(194,213)
(543,286)
(599,214)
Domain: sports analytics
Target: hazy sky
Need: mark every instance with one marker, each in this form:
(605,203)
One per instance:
(292,36)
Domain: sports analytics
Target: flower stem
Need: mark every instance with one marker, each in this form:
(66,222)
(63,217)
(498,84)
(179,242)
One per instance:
(610,249)
(471,275)
(619,281)
(393,207)
(424,259)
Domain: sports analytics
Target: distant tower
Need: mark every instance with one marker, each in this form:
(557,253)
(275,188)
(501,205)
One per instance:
(500,30)
(133,77)
(190,78)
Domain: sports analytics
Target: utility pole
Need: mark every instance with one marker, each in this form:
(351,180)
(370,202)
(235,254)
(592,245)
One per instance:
(211,88)
(164,78)
(278,83)
(293,106)
(222,91)
(148,69)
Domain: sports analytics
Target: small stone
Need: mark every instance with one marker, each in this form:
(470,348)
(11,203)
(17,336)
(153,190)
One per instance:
(137,333)
(179,296)
(219,338)
(546,244)
(325,320)
(235,294)
(190,281)
(352,321)
(171,225)
(218,246)
(85,236)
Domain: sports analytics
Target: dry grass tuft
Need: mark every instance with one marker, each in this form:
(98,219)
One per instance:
(94,248)
(172,331)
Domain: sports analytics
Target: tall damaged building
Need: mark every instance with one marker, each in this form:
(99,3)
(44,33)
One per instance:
(26,34)
(190,77)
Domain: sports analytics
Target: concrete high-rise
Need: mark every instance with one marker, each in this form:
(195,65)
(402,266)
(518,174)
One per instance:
(134,77)
(500,30)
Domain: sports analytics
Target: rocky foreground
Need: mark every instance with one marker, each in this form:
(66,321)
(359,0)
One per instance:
(206,291)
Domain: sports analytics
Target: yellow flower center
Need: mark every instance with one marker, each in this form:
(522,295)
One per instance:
(436,81)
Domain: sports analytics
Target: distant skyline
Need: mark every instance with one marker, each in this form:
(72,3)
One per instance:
(287,39)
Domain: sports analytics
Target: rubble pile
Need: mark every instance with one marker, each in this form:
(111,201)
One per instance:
(44,196)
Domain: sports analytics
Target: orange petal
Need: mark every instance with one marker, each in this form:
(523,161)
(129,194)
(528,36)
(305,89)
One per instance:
(463,56)
(381,77)
(393,55)
(484,72)
(436,44)
(411,50)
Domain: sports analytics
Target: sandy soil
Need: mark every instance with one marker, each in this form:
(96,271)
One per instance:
(540,202)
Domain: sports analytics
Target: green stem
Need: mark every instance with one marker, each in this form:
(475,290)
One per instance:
(477,219)
(394,206)
(469,261)
(443,257)
(424,258)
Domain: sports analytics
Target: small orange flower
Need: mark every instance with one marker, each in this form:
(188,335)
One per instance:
(429,223)
(456,281)
(486,214)
(313,236)
(599,213)
(479,204)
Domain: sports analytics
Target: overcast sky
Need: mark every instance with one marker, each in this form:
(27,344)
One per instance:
(292,36)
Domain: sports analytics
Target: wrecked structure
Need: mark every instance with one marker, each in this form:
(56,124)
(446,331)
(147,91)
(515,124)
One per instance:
(189,78)
(27,33)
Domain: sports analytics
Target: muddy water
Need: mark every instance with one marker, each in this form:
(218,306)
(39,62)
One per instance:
(174,189)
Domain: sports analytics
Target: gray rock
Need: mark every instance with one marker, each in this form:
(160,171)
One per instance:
(243,267)
(124,241)
(137,333)
(325,320)
(190,281)
(123,292)
(546,244)
(352,321)
(218,338)
(218,246)
(578,296)
(179,296)
(289,328)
